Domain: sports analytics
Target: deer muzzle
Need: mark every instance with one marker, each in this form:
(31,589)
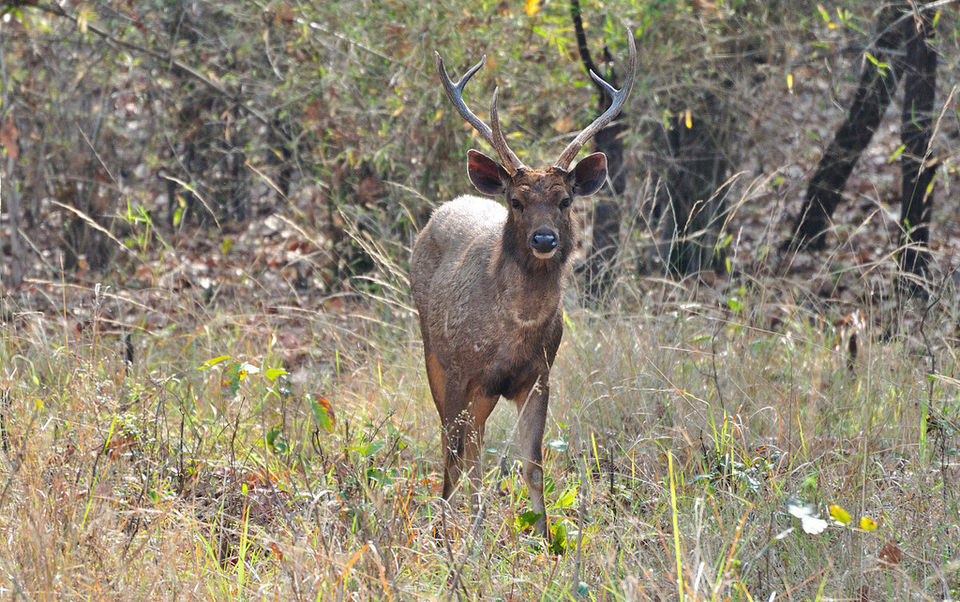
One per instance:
(544,242)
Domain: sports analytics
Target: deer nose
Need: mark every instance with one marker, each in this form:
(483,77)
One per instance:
(543,240)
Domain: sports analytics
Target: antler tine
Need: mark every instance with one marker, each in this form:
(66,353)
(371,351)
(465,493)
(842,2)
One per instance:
(507,156)
(455,94)
(493,136)
(618,99)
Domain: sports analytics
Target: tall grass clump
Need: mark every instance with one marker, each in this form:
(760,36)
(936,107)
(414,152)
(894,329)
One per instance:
(699,441)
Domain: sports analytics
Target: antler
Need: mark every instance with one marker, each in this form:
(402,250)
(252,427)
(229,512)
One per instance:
(494,136)
(618,99)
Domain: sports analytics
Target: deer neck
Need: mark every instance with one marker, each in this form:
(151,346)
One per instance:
(528,289)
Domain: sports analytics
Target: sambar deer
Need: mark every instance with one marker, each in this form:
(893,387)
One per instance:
(487,283)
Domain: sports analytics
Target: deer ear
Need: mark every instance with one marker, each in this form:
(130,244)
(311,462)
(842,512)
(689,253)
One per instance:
(486,174)
(589,174)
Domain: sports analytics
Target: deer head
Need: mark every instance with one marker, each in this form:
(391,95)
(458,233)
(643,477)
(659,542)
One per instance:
(538,199)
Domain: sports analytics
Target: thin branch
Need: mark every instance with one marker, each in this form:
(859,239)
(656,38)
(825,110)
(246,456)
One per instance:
(170,60)
(93,224)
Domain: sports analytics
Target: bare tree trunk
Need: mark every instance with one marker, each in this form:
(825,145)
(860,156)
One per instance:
(10,196)
(607,210)
(918,170)
(10,200)
(874,90)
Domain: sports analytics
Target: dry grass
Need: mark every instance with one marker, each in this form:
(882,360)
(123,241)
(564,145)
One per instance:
(692,406)
(684,419)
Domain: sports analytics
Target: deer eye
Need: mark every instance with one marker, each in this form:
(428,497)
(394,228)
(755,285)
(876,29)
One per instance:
(516,204)
(565,202)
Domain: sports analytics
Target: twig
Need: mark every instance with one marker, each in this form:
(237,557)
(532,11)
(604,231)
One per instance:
(4,405)
(96,155)
(343,38)
(930,376)
(170,60)
(93,224)
(195,193)
(581,513)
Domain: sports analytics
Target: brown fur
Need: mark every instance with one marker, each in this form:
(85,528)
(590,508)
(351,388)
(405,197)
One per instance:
(491,316)
(487,283)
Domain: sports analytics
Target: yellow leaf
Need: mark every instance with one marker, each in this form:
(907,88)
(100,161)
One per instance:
(839,514)
(532,7)
(867,523)
(790,82)
(688,119)
(214,361)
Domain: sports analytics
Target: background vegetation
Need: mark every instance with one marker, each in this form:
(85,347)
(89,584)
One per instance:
(210,373)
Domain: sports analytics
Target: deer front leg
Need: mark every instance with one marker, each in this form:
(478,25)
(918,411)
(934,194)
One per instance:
(532,408)
(464,420)
(453,417)
(464,417)
(474,423)
(437,377)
